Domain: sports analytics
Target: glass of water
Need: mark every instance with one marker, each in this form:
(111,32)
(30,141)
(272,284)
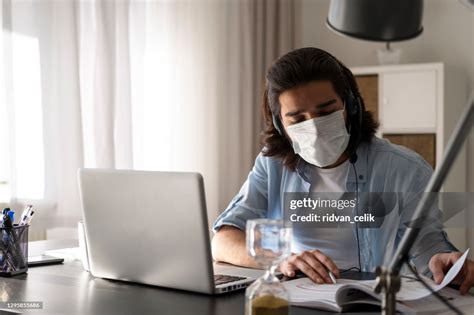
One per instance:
(268,243)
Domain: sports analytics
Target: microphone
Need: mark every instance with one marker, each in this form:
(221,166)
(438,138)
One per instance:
(353,158)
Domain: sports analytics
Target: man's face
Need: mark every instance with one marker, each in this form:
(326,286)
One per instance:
(315,99)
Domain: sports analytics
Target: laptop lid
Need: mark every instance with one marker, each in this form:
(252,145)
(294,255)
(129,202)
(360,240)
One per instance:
(147,227)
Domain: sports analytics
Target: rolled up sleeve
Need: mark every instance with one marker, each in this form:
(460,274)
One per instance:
(252,200)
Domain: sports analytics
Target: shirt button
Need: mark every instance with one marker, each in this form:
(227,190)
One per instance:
(361,177)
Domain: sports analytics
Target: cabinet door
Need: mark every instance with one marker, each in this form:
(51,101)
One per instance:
(423,144)
(409,101)
(369,90)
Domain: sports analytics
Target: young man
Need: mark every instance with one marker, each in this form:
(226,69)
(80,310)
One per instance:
(319,138)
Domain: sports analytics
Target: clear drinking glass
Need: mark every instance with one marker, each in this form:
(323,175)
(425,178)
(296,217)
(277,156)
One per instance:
(268,243)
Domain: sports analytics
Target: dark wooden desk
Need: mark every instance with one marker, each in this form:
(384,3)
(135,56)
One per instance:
(67,289)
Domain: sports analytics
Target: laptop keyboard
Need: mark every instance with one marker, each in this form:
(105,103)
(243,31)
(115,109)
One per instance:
(221,279)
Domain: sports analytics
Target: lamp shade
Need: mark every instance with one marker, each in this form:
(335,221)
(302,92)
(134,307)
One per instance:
(376,20)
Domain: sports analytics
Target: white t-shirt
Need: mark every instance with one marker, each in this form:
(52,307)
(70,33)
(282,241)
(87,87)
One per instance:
(339,244)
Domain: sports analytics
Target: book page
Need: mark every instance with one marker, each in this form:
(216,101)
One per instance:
(305,292)
(413,289)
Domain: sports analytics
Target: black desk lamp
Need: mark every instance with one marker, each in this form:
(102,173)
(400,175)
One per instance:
(377,20)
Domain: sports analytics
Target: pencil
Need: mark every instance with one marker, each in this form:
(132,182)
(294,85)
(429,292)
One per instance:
(333,278)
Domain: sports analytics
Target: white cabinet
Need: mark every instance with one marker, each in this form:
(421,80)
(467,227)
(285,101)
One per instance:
(417,110)
(409,102)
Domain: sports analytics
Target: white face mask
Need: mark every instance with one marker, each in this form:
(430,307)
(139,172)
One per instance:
(322,140)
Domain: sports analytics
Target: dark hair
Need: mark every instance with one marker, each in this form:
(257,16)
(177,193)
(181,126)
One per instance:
(298,68)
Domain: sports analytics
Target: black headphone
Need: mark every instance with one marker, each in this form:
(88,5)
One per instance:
(354,111)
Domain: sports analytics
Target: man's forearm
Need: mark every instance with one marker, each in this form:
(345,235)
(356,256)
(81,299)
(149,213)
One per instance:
(228,245)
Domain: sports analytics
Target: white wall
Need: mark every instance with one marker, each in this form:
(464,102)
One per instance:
(448,37)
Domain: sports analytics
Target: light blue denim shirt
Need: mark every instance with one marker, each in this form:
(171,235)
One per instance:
(381,167)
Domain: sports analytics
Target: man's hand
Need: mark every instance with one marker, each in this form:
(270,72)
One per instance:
(312,263)
(440,264)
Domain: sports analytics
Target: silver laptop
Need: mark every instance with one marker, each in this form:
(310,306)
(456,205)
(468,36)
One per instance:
(151,228)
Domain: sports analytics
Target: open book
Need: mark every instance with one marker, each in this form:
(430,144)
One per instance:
(347,293)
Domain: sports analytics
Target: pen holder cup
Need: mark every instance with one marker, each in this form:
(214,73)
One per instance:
(13,250)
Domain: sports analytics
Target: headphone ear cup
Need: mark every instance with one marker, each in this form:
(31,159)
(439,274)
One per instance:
(356,117)
(351,104)
(354,110)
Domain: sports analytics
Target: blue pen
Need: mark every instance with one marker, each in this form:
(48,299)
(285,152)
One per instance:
(11,214)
